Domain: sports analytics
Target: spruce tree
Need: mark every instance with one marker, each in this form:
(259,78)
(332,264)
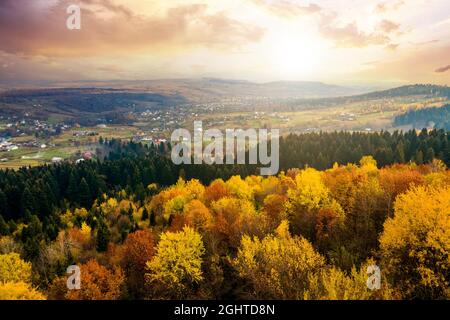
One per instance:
(103,236)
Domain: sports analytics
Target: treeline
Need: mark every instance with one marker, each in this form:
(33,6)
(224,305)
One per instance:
(322,150)
(420,118)
(129,166)
(133,166)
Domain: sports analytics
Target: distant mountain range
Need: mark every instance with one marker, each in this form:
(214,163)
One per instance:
(213,88)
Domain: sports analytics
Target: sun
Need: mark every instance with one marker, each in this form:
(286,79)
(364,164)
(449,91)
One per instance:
(292,56)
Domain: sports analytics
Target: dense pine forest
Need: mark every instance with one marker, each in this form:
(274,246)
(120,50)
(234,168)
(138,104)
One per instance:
(141,227)
(439,117)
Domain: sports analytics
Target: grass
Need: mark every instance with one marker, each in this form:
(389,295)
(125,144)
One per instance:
(66,146)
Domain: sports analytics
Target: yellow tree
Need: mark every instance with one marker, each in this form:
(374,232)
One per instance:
(358,191)
(415,244)
(15,278)
(305,205)
(333,284)
(19,291)
(239,188)
(176,266)
(279,266)
(171,201)
(14,269)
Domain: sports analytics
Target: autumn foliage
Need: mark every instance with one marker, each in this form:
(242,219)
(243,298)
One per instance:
(304,234)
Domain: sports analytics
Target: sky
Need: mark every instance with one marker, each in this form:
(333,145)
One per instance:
(383,42)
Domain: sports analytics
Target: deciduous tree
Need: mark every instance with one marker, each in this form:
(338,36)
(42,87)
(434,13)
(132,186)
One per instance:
(415,244)
(176,267)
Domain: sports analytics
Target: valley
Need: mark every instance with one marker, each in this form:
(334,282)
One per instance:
(41,126)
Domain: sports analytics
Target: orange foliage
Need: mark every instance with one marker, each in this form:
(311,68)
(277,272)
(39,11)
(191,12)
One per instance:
(195,215)
(98,283)
(327,222)
(398,179)
(274,207)
(138,248)
(233,219)
(215,191)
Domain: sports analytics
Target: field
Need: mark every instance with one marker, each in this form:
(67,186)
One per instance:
(65,146)
(357,116)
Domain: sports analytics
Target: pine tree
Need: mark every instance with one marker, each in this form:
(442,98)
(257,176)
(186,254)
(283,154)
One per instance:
(3,203)
(430,155)
(84,195)
(4,228)
(144,214)
(419,157)
(72,190)
(28,201)
(103,236)
(399,154)
(152,219)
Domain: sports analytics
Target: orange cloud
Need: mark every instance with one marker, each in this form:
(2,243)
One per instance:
(415,65)
(388,26)
(349,35)
(110,28)
(443,69)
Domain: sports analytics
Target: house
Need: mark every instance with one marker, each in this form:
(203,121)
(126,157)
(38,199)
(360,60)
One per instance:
(87,155)
(8,146)
(57,160)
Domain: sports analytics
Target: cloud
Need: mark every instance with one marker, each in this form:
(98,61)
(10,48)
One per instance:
(388,26)
(442,69)
(392,46)
(413,66)
(349,35)
(384,7)
(106,27)
(287,8)
(424,43)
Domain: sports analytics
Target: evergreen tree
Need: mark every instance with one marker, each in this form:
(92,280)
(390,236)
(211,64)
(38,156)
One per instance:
(144,214)
(4,228)
(103,236)
(419,157)
(430,155)
(84,195)
(3,204)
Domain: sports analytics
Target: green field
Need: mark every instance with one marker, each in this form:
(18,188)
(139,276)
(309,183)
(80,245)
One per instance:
(65,146)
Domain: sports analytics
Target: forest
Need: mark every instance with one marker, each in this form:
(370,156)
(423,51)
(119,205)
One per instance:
(439,117)
(141,227)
